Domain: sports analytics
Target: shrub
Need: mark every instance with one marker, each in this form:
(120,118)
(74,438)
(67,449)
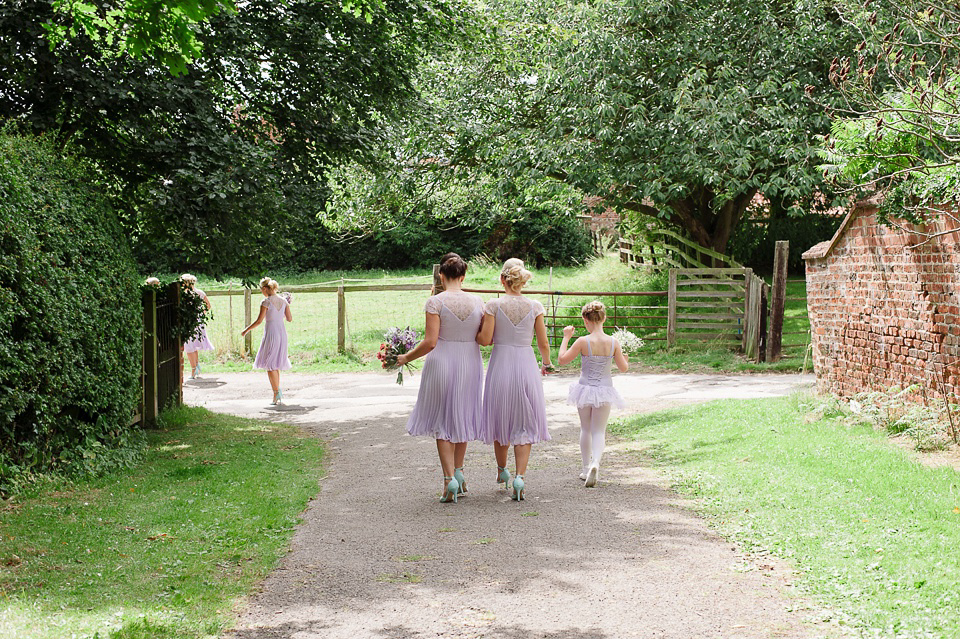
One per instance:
(70,319)
(753,242)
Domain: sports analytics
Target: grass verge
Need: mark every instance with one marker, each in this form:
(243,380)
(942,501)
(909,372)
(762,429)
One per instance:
(166,549)
(873,532)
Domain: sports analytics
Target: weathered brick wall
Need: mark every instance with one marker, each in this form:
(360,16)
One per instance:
(884,312)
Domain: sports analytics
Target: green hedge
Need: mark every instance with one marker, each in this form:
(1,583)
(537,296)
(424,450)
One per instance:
(70,319)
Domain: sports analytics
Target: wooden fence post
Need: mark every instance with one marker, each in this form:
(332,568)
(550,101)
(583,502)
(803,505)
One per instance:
(747,277)
(341,320)
(437,280)
(778,300)
(672,308)
(247,318)
(151,408)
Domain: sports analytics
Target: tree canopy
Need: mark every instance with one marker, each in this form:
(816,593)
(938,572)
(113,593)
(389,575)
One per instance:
(210,166)
(679,111)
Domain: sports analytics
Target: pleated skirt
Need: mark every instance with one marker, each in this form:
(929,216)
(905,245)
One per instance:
(449,399)
(514,410)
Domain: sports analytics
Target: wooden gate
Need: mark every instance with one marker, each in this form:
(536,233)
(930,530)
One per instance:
(161,379)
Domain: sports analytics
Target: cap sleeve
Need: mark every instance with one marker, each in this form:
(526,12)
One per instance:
(265,302)
(490,308)
(433,305)
(538,308)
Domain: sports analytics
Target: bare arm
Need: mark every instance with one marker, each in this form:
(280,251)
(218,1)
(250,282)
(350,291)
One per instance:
(568,355)
(427,344)
(256,322)
(540,329)
(620,357)
(485,335)
(287,313)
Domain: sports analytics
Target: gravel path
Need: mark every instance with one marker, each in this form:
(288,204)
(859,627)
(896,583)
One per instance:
(377,556)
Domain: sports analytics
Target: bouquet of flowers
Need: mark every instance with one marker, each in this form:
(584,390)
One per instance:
(396,342)
(629,343)
(287,296)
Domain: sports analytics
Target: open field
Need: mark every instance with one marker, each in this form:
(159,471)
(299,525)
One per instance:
(313,334)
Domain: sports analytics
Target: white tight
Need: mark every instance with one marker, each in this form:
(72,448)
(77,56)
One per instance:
(593,433)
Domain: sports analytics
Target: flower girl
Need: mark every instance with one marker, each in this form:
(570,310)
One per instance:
(593,394)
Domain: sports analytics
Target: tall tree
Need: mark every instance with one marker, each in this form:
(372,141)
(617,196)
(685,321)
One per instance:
(209,166)
(679,111)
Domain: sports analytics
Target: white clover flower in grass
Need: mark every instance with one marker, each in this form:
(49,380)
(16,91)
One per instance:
(629,343)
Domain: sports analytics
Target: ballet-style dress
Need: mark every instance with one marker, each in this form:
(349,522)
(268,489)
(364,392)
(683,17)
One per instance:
(451,384)
(272,354)
(201,342)
(514,410)
(595,386)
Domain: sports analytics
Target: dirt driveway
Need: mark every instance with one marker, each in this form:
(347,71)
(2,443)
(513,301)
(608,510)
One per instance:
(377,556)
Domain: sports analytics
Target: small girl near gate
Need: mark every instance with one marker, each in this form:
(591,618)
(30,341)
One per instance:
(593,394)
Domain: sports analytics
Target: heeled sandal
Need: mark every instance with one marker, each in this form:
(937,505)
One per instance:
(450,490)
(277,397)
(518,488)
(503,477)
(461,480)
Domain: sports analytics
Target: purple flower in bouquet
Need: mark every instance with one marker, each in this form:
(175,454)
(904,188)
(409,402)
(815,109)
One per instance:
(287,296)
(396,342)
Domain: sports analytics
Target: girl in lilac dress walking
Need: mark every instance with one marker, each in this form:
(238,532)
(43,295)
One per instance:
(514,410)
(448,402)
(272,354)
(200,342)
(593,394)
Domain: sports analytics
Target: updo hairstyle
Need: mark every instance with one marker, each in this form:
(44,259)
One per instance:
(270,284)
(189,280)
(594,311)
(514,274)
(452,266)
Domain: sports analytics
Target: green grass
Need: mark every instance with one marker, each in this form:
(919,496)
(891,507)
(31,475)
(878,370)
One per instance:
(873,533)
(163,550)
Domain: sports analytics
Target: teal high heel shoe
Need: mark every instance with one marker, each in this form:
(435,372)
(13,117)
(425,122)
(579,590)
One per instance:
(450,492)
(458,475)
(503,476)
(277,398)
(518,487)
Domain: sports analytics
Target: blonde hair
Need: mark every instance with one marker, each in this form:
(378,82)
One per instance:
(594,311)
(514,274)
(273,285)
(189,280)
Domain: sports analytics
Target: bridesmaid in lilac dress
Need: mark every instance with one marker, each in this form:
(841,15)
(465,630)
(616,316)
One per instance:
(201,342)
(514,410)
(448,402)
(272,354)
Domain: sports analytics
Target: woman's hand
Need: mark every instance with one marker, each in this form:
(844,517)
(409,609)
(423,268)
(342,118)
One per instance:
(402,359)
(546,369)
(568,331)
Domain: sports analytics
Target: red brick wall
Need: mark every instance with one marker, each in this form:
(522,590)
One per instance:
(884,312)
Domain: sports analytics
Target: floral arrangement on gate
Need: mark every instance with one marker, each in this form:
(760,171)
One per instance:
(396,342)
(630,344)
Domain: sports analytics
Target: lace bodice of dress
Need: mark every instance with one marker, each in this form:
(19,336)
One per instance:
(515,307)
(459,303)
(275,302)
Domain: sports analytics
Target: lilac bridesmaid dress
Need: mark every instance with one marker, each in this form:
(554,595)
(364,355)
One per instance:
(272,354)
(514,410)
(451,384)
(201,342)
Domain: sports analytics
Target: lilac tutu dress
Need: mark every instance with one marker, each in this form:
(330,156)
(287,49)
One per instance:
(595,387)
(514,410)
(272,354)
(202,342)
(451,385)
